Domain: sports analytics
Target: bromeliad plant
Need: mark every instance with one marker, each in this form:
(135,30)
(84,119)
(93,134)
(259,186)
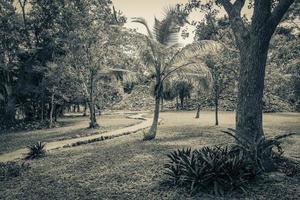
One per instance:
(220,169)
(210,169)
(164,58)
(36,151)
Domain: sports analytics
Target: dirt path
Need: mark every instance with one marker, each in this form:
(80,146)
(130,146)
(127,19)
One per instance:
(146,122)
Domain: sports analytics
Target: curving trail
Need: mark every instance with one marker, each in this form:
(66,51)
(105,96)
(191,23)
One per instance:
(146,122)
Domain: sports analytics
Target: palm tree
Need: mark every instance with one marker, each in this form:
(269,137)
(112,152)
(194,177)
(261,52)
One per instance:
(165,57)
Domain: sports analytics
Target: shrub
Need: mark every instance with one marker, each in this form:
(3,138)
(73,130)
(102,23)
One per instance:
(36,151)
(11,169)
(264,152)
(214,169)
(220,169)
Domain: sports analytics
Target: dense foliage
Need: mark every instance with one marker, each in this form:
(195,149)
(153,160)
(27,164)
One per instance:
(38,79)
(221,169)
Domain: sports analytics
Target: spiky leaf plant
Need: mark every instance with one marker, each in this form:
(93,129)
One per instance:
(210,169)
(36,150)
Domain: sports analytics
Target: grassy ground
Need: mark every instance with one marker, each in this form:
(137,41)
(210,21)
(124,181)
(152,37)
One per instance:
(128,168)
(72,126)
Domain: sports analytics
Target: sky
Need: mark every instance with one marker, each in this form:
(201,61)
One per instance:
(149,9)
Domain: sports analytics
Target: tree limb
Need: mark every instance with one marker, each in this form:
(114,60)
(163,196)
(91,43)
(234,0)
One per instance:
(226,4)
(277,15)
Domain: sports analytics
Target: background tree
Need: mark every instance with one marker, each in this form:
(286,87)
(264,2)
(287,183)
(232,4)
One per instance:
(253,43)
(10,40)
(223,74)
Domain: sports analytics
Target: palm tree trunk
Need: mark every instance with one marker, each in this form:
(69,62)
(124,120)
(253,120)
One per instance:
(158,93)
(152,132)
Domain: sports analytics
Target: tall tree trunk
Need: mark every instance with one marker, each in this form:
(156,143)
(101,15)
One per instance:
(78,107)
(198,111)
(10,108)
(51,111)
(251,85)
(158,93)
(85,107)
(162,104)
(181,102)
(93,119)
(152,132)
(42,106)
(216,110)
(177,103)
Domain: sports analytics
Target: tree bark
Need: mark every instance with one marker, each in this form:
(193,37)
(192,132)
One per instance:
(249,115)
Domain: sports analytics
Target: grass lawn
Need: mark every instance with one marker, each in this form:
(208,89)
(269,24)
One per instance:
(128,168)
(71,127)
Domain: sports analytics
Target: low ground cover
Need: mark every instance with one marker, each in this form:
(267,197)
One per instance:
(128,168)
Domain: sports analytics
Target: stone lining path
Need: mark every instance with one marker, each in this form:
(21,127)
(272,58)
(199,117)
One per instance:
(146,122)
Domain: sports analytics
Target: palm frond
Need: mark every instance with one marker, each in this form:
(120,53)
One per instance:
(196,50)
(142,21)
(198,74)
(167,30)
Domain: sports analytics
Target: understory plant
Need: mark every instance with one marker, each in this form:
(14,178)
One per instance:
(220,169)
(36,151)
(11,169)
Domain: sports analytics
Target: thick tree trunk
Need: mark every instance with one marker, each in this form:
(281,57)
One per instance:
(251,85)
(152,132)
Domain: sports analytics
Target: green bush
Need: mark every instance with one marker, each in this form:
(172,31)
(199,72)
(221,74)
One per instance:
(11,169)
(36,151)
